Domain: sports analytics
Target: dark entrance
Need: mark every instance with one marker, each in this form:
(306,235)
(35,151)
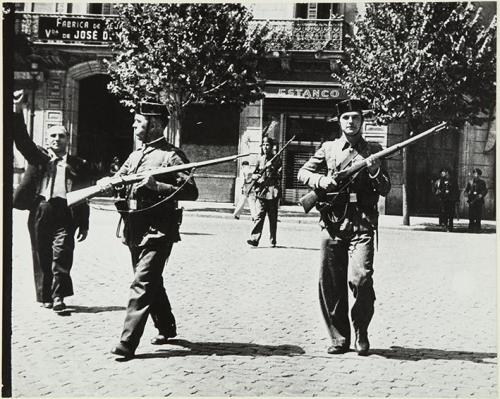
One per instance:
(426,159)
(309,121)
(104,126)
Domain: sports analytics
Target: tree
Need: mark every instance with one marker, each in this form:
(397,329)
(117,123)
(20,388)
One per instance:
(423,63)
(180,54)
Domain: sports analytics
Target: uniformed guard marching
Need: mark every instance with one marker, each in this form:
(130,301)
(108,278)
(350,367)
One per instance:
(475,191)
(349,225)
(151,226)
(267,176)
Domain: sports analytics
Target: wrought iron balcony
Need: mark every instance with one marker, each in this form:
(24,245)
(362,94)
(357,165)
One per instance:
(307,35)
(290,35)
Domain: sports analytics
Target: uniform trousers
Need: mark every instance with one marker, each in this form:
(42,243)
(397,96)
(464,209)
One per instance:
(475,215)
(446,213)
(147,293)
(346,262)
(52,230)
(262,207)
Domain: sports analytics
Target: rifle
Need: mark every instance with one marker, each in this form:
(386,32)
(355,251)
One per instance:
(79,196)
(309,200)
(268,164)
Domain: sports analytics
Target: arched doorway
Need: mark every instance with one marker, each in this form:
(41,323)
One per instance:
(104,125)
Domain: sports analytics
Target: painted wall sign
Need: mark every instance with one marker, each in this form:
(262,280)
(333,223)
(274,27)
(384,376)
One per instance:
(306,92)
(74,29)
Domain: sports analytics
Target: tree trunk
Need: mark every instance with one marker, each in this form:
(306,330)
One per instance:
(404,186)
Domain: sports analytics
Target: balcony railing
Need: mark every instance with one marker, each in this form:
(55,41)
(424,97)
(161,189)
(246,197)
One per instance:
(292,35)
(307,35)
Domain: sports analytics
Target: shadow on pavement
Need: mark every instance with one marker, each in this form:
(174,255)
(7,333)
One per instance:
(457,229)
(223,349)
(415,354)
(94,309)
(301,248)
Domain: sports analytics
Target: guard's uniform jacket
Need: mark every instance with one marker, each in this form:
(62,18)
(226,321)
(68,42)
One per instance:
(347,242)
(362,195)
(51,222)
(161,221)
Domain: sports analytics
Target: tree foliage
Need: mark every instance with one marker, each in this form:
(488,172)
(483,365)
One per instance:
(187,53)
(423,62)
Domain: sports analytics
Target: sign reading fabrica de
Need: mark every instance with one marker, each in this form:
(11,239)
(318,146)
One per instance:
(74,29)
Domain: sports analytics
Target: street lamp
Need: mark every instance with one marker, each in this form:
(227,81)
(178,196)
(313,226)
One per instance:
(34,72)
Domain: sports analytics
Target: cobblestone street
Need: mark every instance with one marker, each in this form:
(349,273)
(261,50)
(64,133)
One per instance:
(249,321)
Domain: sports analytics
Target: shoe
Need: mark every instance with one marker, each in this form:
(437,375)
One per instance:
(273,244)
(59,304)
(338,349)
(47,305)
(253,243)
(236,217)
(362,344)
(122,350)
(162,339)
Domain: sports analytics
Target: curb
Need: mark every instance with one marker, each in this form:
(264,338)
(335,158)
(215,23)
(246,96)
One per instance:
(288,214)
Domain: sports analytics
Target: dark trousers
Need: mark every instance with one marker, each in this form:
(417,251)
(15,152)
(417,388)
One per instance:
(52,243)
(147,293)
(346,263)
(475,215)
(446,213)
(263,207)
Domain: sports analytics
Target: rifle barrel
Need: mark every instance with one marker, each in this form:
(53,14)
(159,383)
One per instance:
(79,196)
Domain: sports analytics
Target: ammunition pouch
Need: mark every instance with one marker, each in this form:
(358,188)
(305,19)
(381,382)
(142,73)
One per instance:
(139,221)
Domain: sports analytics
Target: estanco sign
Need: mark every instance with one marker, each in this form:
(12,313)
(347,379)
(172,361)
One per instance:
(74,29)
(306,92)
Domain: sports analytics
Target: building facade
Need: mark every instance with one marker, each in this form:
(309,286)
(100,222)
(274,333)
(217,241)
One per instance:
(64,73)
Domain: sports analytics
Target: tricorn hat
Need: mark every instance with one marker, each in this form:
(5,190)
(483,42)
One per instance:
(148,108)
(353,105)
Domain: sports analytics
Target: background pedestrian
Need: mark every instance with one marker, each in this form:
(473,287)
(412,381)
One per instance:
(475,191)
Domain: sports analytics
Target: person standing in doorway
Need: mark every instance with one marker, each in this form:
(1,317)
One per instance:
(247,192)
(475,191)
(151,226)
(267,176)
(446,190)
(50,175)
(349,225)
